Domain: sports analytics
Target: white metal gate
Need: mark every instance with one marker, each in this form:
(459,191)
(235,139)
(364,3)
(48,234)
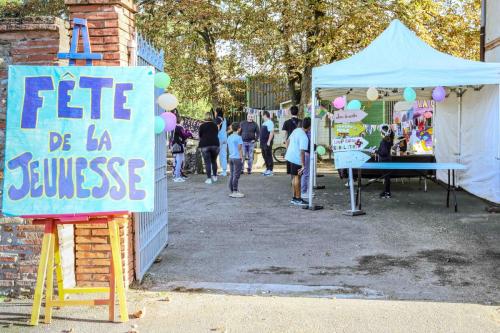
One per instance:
(151,229)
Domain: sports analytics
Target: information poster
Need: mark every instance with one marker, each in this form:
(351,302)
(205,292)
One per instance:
(79,140)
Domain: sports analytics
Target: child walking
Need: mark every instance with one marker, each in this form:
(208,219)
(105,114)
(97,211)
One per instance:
(235,145)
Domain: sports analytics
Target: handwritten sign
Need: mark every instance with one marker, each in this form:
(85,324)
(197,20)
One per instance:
(349,116)
(192,125)
(349,129)
(79,140)
(341,144)
(350,159)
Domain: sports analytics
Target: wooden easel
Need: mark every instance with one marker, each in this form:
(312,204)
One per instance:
(50,257)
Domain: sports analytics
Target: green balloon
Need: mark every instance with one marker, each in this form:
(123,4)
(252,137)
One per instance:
(321,150)
(162,80)
(159,125)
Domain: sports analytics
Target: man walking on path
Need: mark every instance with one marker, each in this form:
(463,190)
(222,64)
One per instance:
(295,154)
(266,142)
(235,145)
(289,126)
(222,125)
(249,134)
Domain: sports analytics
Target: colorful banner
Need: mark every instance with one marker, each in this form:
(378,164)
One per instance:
(79,140)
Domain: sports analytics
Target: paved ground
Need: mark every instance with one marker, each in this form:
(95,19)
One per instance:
(410,247)
(193,312)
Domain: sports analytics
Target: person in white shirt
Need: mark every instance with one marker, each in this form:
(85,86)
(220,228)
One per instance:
(266,142)
(298,144)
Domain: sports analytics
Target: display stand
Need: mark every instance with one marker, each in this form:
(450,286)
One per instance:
(50,257)
(354,211)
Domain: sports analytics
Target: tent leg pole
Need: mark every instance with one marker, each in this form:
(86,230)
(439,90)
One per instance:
(312,164)
(498,152)
(459,129)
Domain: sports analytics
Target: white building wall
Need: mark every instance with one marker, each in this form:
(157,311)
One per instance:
(492,38)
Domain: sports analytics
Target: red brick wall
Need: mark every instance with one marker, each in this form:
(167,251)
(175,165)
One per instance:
(93,253)
(29,41)
(111,30)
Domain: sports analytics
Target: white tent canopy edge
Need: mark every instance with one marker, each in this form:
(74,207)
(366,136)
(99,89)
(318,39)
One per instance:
(397,59)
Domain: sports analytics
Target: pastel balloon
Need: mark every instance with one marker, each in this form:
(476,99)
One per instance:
(170,121)
(167,101)
(372,94)
(354,105)
(409,94)
(439,94)
(428,115)
(321,150)
(162,80)
(339,102)
(159,125)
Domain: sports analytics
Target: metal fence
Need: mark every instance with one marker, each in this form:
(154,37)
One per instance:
(151,229)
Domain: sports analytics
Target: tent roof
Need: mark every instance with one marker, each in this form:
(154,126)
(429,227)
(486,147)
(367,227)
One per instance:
(398,58)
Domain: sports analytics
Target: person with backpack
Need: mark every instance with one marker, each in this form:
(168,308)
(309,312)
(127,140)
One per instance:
(178,147)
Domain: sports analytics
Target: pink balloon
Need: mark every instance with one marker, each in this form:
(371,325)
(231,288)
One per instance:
(428,115)
(170,121)
(339,102)
(438,94)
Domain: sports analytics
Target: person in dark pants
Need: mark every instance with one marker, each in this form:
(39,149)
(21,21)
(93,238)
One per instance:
(249,134)
(289,126)
(384,155)
(235,145)
(266,142)
(209,146)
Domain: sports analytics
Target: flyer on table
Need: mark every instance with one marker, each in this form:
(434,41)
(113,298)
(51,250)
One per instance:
(79,140)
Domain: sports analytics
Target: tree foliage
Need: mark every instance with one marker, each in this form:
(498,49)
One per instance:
(212,45)
(208,42)
(22,8)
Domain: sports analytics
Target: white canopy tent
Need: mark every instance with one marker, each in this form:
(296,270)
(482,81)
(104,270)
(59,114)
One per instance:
(467,123)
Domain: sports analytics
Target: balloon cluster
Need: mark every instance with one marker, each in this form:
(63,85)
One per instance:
(168,102)
(339,103)
(438,94)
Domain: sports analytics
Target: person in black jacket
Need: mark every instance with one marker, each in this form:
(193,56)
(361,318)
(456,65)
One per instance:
(209,145)
(384,155)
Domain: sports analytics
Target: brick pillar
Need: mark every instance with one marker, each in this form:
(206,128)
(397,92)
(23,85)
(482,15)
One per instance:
(111,27)
(112,31)
(27,41)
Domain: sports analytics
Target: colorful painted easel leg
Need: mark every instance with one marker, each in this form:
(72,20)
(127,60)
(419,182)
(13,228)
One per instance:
(50,277)
(59,273)
(42,270)
(114,236)
(112,290)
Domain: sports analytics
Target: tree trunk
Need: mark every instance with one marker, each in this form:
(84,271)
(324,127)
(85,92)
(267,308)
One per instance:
(212,71)
(306,85)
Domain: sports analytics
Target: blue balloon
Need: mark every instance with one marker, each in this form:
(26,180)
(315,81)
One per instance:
(409,94)
(354,105)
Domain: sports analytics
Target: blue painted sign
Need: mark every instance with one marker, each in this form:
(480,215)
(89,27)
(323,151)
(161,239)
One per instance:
(79,140)
(350,159)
